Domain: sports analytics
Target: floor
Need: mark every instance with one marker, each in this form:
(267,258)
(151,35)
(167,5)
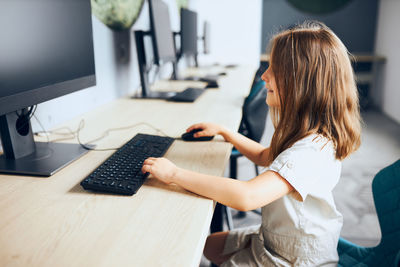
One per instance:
(353,195)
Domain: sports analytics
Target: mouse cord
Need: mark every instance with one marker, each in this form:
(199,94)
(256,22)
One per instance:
(89,145)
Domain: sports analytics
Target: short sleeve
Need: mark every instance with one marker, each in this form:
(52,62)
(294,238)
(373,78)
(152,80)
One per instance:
(302,165)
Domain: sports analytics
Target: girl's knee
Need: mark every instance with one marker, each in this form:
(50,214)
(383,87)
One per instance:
(209,248)
(214,246)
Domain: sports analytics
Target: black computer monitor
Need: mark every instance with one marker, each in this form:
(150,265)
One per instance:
(189,40)
(161,32)
(46,51)
(164,50)
(188,33)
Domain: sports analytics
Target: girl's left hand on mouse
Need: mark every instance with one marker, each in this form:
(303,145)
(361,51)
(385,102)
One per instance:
(160,168)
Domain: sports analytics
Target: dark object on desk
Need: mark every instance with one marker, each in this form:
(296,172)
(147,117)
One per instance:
(222,74)
(121,172)
(189,136)
(162,40)
(211,80)
(207,78)
(231,66)
(212,85)
(187,95)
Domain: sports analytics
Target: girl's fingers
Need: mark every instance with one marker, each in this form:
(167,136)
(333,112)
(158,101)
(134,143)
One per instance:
(146,168)
(149,161)
(199,134)
(194,126)
(202,133)
(191,128)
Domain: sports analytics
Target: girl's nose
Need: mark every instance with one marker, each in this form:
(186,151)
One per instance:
(264,77)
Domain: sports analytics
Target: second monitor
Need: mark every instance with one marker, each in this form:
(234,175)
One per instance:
(163,52)
(189,39)
(188,34)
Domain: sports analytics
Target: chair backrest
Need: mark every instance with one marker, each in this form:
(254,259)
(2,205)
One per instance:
(254,110)
(386,191)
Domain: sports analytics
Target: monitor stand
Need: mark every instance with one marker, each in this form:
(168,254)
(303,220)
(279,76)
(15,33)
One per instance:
(146,93)
(46,160)
(23,156)
(187,95)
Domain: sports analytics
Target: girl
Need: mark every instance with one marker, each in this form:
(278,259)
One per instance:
(314,108)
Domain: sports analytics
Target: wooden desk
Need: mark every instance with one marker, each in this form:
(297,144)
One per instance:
(54,222)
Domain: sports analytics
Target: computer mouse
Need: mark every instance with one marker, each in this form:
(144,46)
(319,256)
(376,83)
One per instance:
(189,136)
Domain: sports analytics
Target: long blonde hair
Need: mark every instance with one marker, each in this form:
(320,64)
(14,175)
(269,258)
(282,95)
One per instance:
(316,88)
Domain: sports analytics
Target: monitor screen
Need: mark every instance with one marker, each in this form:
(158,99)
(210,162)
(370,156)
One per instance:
(46,50)
(161,32)
(188,32)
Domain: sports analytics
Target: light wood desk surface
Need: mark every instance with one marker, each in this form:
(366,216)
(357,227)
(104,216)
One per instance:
(54,222)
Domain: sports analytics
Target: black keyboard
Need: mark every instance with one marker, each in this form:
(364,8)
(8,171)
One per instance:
(187,95)
(121,172)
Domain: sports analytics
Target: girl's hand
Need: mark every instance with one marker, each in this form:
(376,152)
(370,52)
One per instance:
(161,168)
(207,129)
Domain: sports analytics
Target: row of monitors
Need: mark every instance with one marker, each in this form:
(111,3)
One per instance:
(163,37)
(46,51)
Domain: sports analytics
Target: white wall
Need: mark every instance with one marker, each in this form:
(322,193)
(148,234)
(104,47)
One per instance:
(235,38)
(235,30)
(387,94)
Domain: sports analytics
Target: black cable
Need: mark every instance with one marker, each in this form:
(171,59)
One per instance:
(26,117)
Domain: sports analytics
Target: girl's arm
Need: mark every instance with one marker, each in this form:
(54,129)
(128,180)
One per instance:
(249,148)
(241,195)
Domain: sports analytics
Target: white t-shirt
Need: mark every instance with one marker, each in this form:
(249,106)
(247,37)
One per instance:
(309,213)
(303,227)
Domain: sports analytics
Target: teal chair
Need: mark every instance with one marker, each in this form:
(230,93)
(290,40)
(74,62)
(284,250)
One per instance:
(386,191)
(254,111)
